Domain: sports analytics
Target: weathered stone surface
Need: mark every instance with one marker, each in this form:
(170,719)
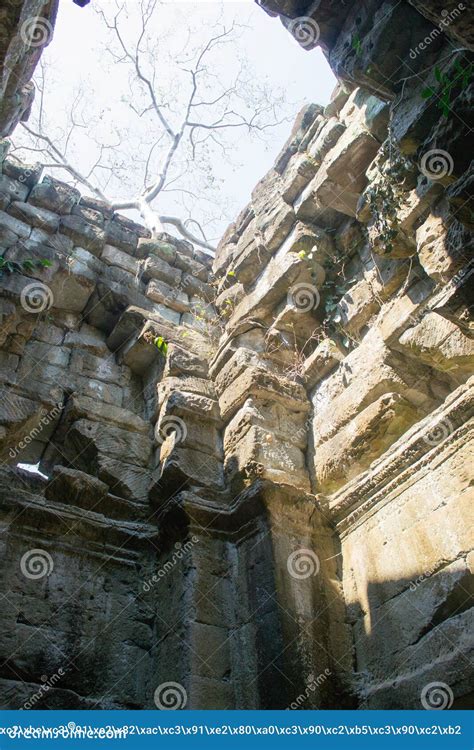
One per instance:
(34,216)
(321,362)
(166,295)
(54,195)
(365,438)
(181,467)
(84,407)
(155,267)
(440,343)
(83,234)
(442,249)
(85,439)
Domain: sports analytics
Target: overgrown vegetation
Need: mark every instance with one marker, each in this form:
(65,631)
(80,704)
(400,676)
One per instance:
(14,266)
(385,197)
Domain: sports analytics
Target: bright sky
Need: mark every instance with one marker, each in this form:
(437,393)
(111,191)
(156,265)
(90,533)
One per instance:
(272,58)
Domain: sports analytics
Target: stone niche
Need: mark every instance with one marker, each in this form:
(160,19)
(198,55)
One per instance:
(274,511)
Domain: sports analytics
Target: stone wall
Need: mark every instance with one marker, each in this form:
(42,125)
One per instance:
(255,478)
(26,28)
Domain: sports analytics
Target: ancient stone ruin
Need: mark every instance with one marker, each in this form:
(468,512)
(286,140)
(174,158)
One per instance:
(254,486)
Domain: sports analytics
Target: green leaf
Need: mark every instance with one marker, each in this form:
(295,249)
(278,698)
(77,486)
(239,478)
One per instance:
(426,93)
(438,74)
(45,263)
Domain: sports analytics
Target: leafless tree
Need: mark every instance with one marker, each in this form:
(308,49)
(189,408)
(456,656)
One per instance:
(188,107)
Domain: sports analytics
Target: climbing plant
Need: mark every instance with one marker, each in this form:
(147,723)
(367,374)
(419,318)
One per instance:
(385,197)
(13,266)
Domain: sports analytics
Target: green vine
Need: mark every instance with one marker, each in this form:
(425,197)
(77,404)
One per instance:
(461,77)
(385,198)
(13,266)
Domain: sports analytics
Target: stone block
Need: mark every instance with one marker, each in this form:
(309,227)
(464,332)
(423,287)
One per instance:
(54,195)
(325,139)
(443,248)
(185,404)
(121,236)
(34,216)
(325,358)
(440,343)
(83,407)
(183,467)
(191,267)
(180,361)
(158,291)
(125,480)
(115,257)
(88,236)
(15,190)
(164,250)
(88,339)
(98,368)
(86,439)
(70,486)
(353,448)
(262,454)
(154,267)
(357,306)
(10,224)
(195,287)
(193,433)
(211,652)
(258,382)
(299,172)
(207,692)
